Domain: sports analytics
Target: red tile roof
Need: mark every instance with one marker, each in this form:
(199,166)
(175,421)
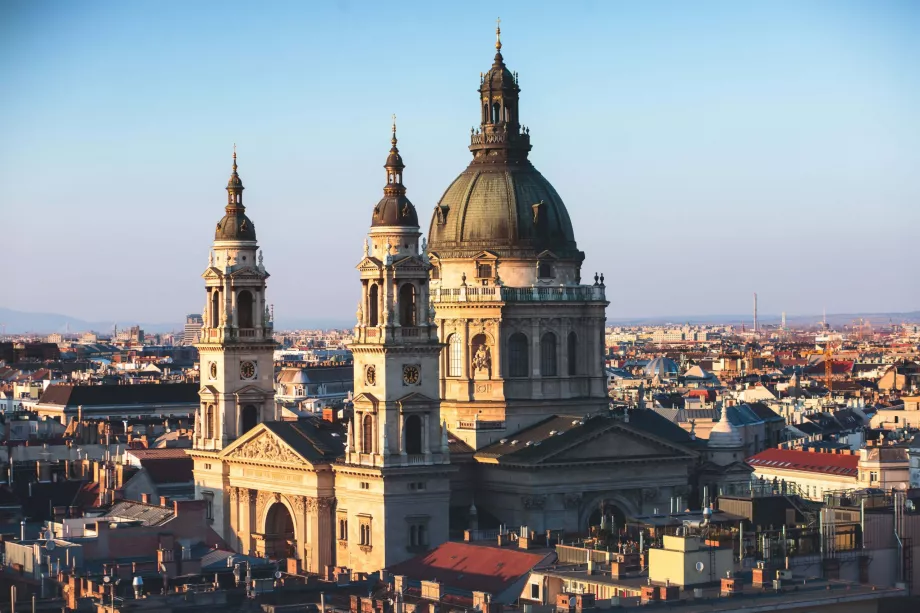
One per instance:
(806,461)
(471,567)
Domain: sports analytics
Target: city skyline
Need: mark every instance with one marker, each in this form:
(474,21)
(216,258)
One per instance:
(127,161)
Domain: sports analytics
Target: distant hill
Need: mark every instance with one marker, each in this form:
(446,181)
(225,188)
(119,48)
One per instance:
(19,322)
(834,319)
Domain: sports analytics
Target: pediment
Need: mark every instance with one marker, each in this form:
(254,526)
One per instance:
(209,390)
(250,391)
(614,443)
(486,255)
(246,273)
(211,273)
(415,400)
(548,255)
(364,399)
(410,261)
(262,445)
(369,263)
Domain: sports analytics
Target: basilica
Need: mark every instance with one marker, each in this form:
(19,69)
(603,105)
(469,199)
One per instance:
(479,381)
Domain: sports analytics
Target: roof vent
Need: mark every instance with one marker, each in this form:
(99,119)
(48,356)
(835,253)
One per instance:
(514,442)
(503,441)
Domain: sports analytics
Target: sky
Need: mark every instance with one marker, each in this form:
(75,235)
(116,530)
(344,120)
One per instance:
(704,150)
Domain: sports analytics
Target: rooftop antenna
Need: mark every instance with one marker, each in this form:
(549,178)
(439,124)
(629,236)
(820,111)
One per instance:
(755,312)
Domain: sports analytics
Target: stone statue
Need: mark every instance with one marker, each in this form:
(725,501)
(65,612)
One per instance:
(360,312)
(482,359)
(260,258)
(365,247)
(210,258)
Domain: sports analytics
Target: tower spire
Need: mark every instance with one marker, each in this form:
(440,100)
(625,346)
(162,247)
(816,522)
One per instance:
(235,187)
(498,34)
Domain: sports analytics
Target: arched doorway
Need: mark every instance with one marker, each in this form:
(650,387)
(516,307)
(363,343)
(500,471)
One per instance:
(606,520)
(279,532)
(249,419)
(413,435)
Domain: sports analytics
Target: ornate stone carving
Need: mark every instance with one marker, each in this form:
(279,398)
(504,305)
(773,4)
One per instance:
(482,359)
(572,501)
(263,499)
(533,502)
(649,493)
(234,494)
(245,495)
(266,448)
(311,503)
(299,503)
(324,503)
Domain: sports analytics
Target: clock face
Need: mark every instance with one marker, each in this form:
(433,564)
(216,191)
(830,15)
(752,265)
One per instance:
(212,369)
(411,374)
(247,370)
(370,375)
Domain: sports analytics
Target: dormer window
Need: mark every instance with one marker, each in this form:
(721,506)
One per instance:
(483,271)
(545,269)
(435,272)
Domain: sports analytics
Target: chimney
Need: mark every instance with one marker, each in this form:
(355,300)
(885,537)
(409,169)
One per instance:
(164,501)
(145,498)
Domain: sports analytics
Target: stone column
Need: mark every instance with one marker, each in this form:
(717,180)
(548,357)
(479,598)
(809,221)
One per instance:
(246,514)
(299,503)
(322,531)
(465,350)
(235,518)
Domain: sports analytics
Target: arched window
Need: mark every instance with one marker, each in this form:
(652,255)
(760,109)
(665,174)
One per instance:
(407,305)
(548,355)
(209,422)
(573,354)
(435,272)
(518,359)
(485,112)
(413,428)
(244,302)
(215,309)
(422,535)
(368,435)
(454,356)
(495,112)
(372,305)
(250,418)
(413,536)
(343,529)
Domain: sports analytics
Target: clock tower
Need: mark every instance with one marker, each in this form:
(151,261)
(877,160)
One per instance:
(235,347)
(392,488)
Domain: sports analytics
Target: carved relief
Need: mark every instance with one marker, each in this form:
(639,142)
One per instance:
(482,359)
(533,502)
(572,501)
(311,503)
(245,495)
(266,448)
(299,503)
(262,501)
(234,494)
(325,503)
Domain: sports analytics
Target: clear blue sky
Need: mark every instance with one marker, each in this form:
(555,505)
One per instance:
(705,150)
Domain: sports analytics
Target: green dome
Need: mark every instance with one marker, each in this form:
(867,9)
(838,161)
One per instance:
(493,209)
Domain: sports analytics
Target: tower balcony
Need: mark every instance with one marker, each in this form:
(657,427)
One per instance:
(573,293)
(231,334)
(424,334)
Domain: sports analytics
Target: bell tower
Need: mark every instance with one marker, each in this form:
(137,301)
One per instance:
(235,348)
(392,490)
(235,344)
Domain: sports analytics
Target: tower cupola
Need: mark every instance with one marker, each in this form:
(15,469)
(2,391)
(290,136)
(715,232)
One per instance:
(235,226)
(394,209)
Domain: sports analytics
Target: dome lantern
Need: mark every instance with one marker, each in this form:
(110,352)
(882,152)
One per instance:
(235,226)
(394,209)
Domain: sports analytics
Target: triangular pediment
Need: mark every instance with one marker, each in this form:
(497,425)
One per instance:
(365,399)
(616,444)
(208,390)
(410,262)
(548,255)
(486,255)
(415,400)
(369,263)
(211,273)
(261,445)
(250,391)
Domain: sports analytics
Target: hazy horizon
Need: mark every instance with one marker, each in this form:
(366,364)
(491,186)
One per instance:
(703,151)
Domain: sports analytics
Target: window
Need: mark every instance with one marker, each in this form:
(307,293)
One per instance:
(209,422)
(365,485)
(372,305)
(407,305)
(208,498)
(413,427)
(548,355)
(214,320)
(484,271)
(343,528)
(873,476)
(535,591)
(435,272)
(364,532)
(518,360)
(368,435)
(244,304)
(418,533)
(250,418)
(573,354)
(454,356)
(545,270)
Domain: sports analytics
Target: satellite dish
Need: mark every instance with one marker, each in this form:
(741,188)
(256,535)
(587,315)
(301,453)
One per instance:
(106,579)
(277,574)
(700,567)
